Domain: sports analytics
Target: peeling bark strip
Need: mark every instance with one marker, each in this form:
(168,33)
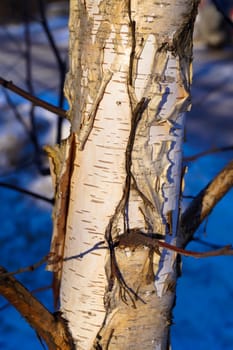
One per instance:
(128,88)
(61,165)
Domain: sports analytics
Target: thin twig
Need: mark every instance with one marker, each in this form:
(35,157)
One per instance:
(132,240)
(205,243)
(29,268)
(44,22)
(27,192)
(16,112)
(136,238)
(220,9)
(208,152)
(29,84)
(61,64)
(187,196)
(52,259)
(226,250)
(37,101)
(29,132)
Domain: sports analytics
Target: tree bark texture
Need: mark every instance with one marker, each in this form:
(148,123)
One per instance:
(119,173)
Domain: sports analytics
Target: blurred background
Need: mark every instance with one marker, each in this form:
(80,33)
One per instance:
(33,55)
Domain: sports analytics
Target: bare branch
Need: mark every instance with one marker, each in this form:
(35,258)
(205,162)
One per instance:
(51,328)
(34,291)
(35,100)
(136,238)
(29,83)
(16,112)
(133,240)
(204,203)
(25,269)
(60,62)
(207,152)
(44,22)
(24,191)
(226,250)
(220,8)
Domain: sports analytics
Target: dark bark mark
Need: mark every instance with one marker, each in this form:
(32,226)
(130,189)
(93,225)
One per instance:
(132,25)
(183,43)
(136,117)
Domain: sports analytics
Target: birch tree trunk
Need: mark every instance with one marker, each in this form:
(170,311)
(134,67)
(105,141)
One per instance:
(118,175)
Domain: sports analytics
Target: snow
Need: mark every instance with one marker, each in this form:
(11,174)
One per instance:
(203,311)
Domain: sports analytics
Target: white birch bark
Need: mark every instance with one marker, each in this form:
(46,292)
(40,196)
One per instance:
(128,88)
